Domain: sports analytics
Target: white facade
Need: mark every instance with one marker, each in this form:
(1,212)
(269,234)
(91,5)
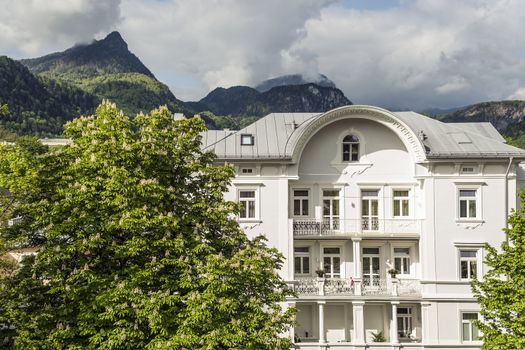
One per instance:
(359,191)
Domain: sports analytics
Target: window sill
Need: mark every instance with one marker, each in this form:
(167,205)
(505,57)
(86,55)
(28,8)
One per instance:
(470,221)
(249,221)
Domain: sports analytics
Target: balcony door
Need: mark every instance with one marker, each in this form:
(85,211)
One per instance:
(369,210)
(371,275)
(332,262)
(331,210)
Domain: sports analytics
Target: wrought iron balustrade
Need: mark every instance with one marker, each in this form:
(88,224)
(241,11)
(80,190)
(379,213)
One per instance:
(338,227)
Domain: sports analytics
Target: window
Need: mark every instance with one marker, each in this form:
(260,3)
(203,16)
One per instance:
(350,148)
(332,262)
(469,330)
(369,210)
(247,140)
(302,260)
(247,200)
(331,209)
(246,171)
(401,203)
(468,169)
(404,322)
(467,204)
(402,260)
(468,263)
(300,202)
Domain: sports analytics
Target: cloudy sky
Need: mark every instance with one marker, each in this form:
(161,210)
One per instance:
(402,54)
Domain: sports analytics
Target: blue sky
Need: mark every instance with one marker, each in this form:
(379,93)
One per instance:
(407,54)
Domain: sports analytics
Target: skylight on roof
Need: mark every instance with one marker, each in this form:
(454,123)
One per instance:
(247,140)
(460,137)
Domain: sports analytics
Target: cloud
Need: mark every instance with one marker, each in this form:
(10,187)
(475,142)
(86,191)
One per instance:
(31,28)
(226,42)
(419,54)
(410,54)
(519,94)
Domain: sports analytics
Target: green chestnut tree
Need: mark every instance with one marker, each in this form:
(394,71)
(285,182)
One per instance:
(137,248)
(501,293)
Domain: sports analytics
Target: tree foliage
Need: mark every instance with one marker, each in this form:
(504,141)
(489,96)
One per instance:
(137,247)
(501,294)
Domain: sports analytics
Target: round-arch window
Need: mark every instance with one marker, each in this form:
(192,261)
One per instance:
(350,148)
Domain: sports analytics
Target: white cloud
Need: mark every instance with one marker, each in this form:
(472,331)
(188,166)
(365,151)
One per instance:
(220,42)
(433,53)
(38,27)
(419,54)
(519,94)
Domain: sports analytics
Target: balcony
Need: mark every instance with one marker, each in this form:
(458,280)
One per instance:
(342,227)
(311,286)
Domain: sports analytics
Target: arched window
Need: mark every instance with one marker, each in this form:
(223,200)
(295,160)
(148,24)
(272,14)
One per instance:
(350,148)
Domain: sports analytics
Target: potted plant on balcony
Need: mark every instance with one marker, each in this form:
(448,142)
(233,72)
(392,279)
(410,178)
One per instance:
(393,273)
(320,273)
(378,337)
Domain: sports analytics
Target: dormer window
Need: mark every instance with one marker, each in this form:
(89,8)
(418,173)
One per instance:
(247,140)
(350,148)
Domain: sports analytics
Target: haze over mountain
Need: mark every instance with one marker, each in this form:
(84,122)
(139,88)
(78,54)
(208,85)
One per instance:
(294,79)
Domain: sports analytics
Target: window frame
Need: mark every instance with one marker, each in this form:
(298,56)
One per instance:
(478,248)
(244,137)
(256,199)
(342,254)
(302,256)
(477,187)
(351,145)
(301,200)
(471,326)
(401,199)
(408,316)
(403,257)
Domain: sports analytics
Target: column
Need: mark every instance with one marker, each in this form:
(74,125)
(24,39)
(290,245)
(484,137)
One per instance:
(359,322)
(347,328)
(322,335)
(393,324)
(292,304)
(357,257)
(356,244)
(425,323)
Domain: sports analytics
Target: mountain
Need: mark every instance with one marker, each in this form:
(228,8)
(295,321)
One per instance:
(107,69)
(437,111)
(39,105)
(506,116)
(247,101)
(294,79)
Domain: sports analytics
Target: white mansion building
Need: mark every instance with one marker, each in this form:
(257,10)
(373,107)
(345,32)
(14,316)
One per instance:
(382,218)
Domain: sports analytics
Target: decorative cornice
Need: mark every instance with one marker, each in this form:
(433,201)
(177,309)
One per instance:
(407,135)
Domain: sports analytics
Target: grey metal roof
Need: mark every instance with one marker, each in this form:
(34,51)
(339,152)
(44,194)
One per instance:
(271,135)
(274,132)
(459,140)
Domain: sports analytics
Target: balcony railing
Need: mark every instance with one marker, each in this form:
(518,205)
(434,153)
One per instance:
(409,287)
(375,286)
(340,227)
(350,286)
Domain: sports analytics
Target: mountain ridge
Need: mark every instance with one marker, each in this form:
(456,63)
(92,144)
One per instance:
(246,101)
(107,69)
(294,79)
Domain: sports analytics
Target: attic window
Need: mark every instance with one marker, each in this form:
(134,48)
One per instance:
(247,140)
(468,169)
